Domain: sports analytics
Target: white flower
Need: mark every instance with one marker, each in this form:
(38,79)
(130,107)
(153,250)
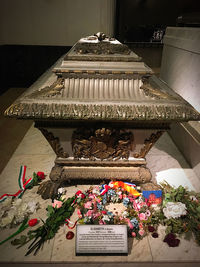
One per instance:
(17,202)
(32,206)
(174,210)
(106,218)
(95,191)
(6,221)
(6,203)
(17,212)
(193,198)
(61,190)
(125,214)
(156,207)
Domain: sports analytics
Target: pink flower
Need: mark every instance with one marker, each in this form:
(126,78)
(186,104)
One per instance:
(96,215)
(133,234)
(79,213)
(88,205)
(57,204)
(131,198)
(89,213)
(148,213)
(136,206)
(141,232)
(101,222)
(129,223)
(142,216)
(140,225)
(92,196)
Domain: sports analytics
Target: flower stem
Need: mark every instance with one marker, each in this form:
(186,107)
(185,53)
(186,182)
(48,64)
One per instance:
(14,234)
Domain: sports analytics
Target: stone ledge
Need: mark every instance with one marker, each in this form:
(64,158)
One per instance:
(187,138)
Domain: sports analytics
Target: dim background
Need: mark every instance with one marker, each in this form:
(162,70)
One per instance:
(35,33)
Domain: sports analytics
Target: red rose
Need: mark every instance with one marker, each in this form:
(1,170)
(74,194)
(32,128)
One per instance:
(171,240)
(32,222)
(155,235)
(104,212)
(80,194)
(41,175)
(151,228)
(69,235)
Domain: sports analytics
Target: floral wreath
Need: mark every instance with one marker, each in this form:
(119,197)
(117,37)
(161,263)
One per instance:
(114,205)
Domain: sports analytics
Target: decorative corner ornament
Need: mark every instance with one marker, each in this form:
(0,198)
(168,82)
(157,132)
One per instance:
(49,91)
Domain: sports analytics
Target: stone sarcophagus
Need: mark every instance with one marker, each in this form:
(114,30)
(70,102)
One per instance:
(101,110)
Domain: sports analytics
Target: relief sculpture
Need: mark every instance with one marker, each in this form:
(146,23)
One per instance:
(49,91)
(109,144)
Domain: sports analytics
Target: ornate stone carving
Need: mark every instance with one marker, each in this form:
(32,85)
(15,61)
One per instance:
(110,144)
(55,143)
(101,44)
(48,189)
(151,91)
(132,174)
(100,112)
(49,91)
(148,143)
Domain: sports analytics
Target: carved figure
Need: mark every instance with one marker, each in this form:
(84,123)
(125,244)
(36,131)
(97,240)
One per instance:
(103,143)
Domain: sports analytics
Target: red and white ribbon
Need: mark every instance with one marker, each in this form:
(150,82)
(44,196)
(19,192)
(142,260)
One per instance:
(23,184)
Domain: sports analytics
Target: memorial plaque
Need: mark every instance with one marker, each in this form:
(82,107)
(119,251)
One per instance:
(101,239)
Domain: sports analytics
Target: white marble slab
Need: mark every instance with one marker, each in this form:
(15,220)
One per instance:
(187,250)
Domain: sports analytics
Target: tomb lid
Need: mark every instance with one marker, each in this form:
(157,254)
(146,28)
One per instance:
(101,79)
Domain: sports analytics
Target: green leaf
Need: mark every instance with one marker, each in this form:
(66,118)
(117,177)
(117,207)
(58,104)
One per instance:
(50,211)
(168,229)
(19,241)
(198,209)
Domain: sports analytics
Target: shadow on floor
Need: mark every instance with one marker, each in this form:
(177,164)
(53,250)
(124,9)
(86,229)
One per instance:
(12,130)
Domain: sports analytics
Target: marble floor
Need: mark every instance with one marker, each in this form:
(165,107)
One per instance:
(165,162)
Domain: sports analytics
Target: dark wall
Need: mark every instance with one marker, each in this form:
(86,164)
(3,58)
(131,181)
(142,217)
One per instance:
(21,65)
(137,19)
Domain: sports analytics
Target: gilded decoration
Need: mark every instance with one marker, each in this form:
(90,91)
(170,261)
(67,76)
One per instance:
(99,43)
(103,112)
(55,143)
(148,143)
(49,91)
(103,143)
(151,91)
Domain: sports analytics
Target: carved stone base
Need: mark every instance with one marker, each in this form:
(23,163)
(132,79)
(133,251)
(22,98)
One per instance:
(48,189)
(87,175)
(132,174)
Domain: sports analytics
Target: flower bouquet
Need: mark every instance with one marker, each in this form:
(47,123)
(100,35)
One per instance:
(180,213)
(115,206)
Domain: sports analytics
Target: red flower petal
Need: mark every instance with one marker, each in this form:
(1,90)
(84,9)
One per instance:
(41,175)
(155,235)
(32,222)
(151,228)
(69,235)
(173,243)
(169,237)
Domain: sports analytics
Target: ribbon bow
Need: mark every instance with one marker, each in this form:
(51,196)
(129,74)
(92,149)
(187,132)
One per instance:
(23,184)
